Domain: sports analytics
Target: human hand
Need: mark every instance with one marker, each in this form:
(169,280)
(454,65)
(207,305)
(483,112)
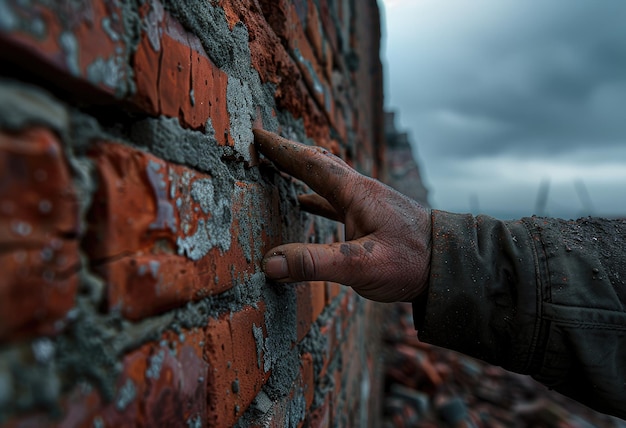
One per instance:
(386,256)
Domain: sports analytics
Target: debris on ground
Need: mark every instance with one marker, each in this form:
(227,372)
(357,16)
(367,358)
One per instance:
(427,386)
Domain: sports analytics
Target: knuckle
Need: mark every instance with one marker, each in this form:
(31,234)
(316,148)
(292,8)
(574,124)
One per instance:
(305,267)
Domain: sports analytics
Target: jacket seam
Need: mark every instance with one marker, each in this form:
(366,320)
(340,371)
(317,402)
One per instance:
(539,327)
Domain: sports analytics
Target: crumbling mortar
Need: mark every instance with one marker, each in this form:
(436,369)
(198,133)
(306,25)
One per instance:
(230,51)
(90,348)
(280,382)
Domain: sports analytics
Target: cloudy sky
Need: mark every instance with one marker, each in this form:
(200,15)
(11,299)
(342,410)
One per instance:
(512,101)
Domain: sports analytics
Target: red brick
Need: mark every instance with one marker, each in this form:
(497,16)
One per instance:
(124,206)
(175,88)
(320,417)
(310,298)
(275,65)
(179,392)
(162,383)
(176,78)
(121,411)
(143,205)
(38,228)
(142,285)
(329,26)
(79,407)
(352,373)
(332,291)
(296,41)
(278,15)
(308,378)
(236,373)
(210,87)
(337,406)
(305,309)
(339,122)
(71,44)
(147,58)
(168,380)
(336,330)
(318,299)
(36,187)
(328,330)
(315,33)
(329,66)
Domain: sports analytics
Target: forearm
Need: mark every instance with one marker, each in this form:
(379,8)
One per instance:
(536,296)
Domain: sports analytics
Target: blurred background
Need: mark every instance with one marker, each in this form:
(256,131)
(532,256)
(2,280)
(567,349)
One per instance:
(514,108)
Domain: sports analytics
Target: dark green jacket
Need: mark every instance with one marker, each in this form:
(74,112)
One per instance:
(539,296)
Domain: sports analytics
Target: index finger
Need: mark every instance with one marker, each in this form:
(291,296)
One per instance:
(324,172)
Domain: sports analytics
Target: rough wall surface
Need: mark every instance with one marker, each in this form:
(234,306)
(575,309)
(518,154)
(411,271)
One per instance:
(134,212)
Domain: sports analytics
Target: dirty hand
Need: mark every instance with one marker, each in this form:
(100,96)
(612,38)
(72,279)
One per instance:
(386,256)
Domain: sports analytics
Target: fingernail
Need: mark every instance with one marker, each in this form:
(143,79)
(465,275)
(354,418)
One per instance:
(275,267)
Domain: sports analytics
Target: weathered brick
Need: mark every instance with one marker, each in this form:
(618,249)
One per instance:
(175,76)
(305,309)
(288,19)
(162,384)
(340,122)
(143,285)
(209,85)
(276,65)
(320,416)
(311,302)
(330,30)
(38,234)
(318,299)
(233,349)
(308,378)
(315,33)
(277,15)
(177,88)
(332,291)
(80,45)
(125,207)
(141,212)
(147,58)
(178,393)
(310,68)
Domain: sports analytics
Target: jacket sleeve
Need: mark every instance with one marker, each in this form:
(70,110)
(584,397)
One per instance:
(538,296)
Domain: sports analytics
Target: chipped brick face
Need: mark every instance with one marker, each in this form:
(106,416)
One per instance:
(134,213)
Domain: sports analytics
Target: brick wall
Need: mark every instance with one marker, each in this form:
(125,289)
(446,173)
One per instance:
(400,169)
(134,212)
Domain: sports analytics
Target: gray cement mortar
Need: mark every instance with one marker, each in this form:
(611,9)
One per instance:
(279,386)
(230,51)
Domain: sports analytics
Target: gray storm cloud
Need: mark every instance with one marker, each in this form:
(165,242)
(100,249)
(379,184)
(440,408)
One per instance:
(535,82)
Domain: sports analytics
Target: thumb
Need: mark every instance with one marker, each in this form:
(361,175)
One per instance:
(337,262)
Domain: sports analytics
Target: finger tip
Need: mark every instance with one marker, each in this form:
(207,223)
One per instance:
(275,266)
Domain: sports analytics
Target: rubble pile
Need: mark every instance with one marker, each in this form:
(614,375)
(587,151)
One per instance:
(427,386)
